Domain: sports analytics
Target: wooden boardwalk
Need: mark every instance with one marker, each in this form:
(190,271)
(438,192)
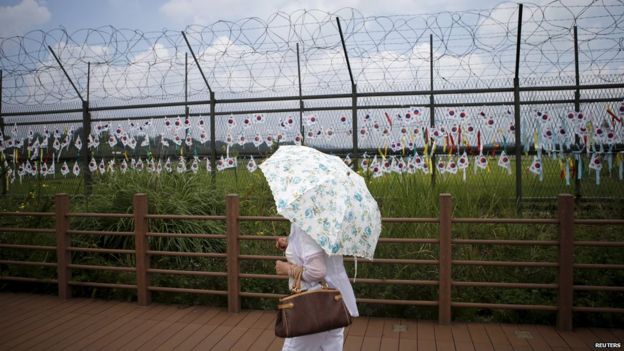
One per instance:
(38,322)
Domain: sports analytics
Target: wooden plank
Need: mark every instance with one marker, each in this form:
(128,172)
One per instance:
(375,327)
(61,332)
(116,334)
(39,319)
(426,335)
(550,336)
(117,341)
(353,343)
(266,338)
(233,319)
(478,335)
(604,335)
(586,336)
(537,342)
(480,346)
(82,322)
(445,345)
(177,338)
(572,340)
(443,337)
(29,329)
(392,328)
(227,341)
(212,318)
(411,330)
(426,331)
(97,334)
(196,337)
(358,327)
(619,333)
(162,337)
(250,319)
(276,345)
(408,344)
(371,343)
(152,313)
(517,336)
(424,344)
(112,325)
(266,321)
(148,335)
(497,337)
(390,344)
(247,340)
(27,308)
(460,333)
(181,312)
(167,311)
(30,340)
(197,312)
(463,345)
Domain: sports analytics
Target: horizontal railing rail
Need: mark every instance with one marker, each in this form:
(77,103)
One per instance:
(565,264)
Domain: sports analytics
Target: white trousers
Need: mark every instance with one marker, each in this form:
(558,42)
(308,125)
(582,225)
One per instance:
(331,340)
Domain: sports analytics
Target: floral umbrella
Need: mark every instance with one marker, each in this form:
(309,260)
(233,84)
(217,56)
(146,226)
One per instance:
(325,198)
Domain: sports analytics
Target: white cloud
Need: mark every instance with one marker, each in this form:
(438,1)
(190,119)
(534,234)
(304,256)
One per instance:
(25,16)
(207,12)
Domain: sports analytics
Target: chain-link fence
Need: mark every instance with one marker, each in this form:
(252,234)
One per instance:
(430,96)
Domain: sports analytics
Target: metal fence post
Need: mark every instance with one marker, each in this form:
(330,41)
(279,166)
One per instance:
(63,256)
(577,108)
(444,269)
(213,139)
(85,151)
(517,119)
(431,109)
(139,203)
(301,105)
(232,212)
(566,261)
(3,170)
(354,125)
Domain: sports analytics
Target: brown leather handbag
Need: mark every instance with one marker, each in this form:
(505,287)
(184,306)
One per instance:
(311,311)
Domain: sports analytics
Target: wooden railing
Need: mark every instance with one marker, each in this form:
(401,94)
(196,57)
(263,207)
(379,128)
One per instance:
(565,264)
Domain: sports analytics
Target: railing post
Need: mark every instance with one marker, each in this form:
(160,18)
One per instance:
(444,269)
(232,212)
(566,261)
(139,203)
(63,256)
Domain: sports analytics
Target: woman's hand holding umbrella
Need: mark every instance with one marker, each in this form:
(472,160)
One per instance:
(281,243)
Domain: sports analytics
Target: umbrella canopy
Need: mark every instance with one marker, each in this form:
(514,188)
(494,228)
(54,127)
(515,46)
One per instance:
(325,198)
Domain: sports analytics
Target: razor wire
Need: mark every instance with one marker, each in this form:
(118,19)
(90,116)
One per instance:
(258,57)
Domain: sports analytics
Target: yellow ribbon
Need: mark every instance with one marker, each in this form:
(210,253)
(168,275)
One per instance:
(535,139)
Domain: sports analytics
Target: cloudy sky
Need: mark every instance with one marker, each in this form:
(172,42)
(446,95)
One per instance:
(20,16)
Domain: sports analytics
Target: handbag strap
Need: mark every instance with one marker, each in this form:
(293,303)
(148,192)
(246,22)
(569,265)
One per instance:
(297,286)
